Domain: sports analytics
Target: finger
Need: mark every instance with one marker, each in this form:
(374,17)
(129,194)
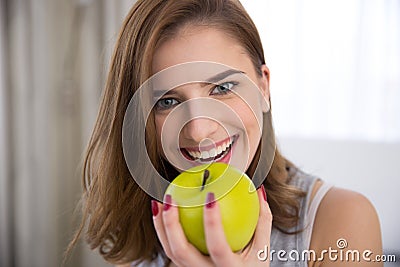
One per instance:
(182,252)
(159,226)
(263,229)
(217,246)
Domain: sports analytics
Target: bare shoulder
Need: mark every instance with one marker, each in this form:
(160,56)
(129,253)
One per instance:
(349,218)
(124,265)
(349,204)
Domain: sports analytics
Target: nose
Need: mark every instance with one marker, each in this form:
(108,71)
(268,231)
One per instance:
(198,129)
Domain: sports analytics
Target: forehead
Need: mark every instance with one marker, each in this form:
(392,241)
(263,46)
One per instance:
(201,43)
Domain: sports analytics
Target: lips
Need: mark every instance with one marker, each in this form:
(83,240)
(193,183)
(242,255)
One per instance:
(209,153)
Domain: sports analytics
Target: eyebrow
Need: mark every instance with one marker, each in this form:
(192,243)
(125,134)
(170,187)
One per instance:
(222,75)
(212,80)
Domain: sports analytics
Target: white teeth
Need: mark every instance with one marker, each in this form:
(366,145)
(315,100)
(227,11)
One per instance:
(225,146)
(205,154)
(213,152)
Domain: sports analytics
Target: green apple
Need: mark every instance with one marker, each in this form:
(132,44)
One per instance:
(236,196)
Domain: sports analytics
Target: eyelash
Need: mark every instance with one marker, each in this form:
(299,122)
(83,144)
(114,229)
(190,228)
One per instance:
(232,84)
(159,106)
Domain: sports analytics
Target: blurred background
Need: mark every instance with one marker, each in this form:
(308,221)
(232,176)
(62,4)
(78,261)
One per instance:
(335,86)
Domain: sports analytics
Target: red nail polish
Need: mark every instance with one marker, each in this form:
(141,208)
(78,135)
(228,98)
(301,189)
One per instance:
(264,193)
(167,202)
(154,208)
(210,200)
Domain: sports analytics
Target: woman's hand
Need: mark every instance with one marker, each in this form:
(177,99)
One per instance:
(182,253)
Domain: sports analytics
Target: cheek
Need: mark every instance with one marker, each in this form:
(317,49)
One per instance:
(166,136)
(251,124)
(252,129)
(159,122)
(248,117)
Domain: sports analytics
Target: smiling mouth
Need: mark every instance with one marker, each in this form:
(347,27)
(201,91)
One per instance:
(215,153)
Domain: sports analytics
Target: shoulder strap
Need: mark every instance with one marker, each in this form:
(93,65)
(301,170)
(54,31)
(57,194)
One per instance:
(312,211)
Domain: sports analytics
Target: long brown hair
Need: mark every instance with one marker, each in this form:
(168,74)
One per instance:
(116,212)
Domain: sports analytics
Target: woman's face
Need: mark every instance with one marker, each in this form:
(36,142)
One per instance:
(207,131)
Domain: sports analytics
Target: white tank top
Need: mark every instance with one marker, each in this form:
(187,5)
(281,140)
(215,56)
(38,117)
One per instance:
(297,245)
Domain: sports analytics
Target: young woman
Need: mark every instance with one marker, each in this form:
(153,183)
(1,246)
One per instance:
(298,212)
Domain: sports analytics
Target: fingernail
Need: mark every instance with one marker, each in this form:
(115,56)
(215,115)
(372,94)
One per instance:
(210,200)
(264,193)
(167,202)
(154,208)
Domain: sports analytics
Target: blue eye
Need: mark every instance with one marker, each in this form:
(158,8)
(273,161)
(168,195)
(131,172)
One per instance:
(165,103)
(223,88)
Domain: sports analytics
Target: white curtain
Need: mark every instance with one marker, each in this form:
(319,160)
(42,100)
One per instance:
(54,55)
(335,87)
(5,222)
(335,66)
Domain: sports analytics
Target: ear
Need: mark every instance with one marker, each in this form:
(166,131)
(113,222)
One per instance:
(264,87)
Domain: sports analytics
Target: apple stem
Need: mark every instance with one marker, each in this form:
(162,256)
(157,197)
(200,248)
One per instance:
(205,177)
